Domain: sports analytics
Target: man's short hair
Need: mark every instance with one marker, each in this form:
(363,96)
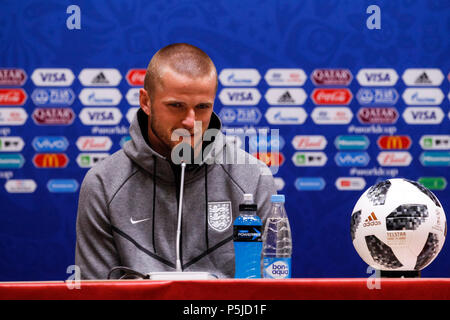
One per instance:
(182,58)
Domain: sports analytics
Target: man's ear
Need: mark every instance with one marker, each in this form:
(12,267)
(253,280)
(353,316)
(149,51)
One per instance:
(144,101)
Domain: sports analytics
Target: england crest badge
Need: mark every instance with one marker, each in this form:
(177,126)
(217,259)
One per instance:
(219,215)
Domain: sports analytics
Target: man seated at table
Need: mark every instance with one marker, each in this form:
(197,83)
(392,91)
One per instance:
(128,204)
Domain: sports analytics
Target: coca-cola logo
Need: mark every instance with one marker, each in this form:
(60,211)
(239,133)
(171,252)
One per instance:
(12,97)
(334,77)
(332,96)
(136,77)
(382,115)
(53,116)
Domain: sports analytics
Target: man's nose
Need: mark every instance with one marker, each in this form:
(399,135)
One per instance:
(189,120)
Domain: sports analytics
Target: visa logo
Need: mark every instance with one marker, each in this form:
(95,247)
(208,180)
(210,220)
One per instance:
(237,96)
(50,144)
(424,115)
(101,116)
(240,96)
(378,77)
(352,159)
(53,77)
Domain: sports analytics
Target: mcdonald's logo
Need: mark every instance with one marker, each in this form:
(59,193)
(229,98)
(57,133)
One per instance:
(394,142)
(50,160)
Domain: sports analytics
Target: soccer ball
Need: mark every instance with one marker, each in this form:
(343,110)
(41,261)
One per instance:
(398,224)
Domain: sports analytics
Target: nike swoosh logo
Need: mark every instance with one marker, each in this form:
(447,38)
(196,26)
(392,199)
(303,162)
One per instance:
(138,221)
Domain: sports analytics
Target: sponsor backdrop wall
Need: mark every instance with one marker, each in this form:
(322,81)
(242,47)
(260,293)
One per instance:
(353,106)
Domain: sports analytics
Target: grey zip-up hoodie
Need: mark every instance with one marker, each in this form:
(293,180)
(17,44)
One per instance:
(128,205)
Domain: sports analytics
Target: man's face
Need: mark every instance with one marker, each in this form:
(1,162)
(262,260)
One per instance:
(179,102)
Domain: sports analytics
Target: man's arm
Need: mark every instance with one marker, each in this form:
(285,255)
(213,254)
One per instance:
(95,252)
(264,190)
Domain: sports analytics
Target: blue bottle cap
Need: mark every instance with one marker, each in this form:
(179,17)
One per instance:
(277,198)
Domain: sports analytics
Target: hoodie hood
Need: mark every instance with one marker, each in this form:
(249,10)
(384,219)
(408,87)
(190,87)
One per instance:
(138,149)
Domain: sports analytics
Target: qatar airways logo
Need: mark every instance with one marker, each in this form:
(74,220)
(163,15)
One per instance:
(189,147)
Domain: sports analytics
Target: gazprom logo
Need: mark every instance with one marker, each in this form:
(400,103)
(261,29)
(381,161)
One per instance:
(352,159)
(62,185)
(50,144)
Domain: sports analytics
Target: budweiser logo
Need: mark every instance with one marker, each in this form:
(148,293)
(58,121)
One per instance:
(332,96)
(309,142)
(94,143)
(12,97)
(394,159)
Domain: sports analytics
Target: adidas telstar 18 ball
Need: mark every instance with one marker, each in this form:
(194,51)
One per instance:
(398,224)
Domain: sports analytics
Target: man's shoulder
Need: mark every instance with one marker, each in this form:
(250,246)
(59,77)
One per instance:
(243,166)
(111,171)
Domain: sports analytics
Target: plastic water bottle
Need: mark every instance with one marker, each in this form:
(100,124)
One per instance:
(247,239)
(277,241)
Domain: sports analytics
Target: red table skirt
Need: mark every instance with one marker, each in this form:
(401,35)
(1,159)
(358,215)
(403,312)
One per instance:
(232,289)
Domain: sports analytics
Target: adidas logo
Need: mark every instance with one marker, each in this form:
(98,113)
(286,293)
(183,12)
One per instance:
(100,79)
(371,220)
(423,79)
(286,98)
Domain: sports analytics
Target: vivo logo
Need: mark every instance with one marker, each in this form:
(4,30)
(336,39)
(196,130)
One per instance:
(352,159)
(50,144)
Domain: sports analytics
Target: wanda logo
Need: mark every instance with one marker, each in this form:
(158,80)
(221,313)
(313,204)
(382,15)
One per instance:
(332,96)
(12,97)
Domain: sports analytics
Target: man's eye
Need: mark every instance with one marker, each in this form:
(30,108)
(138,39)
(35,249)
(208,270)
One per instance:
(203,106)
(175,104)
